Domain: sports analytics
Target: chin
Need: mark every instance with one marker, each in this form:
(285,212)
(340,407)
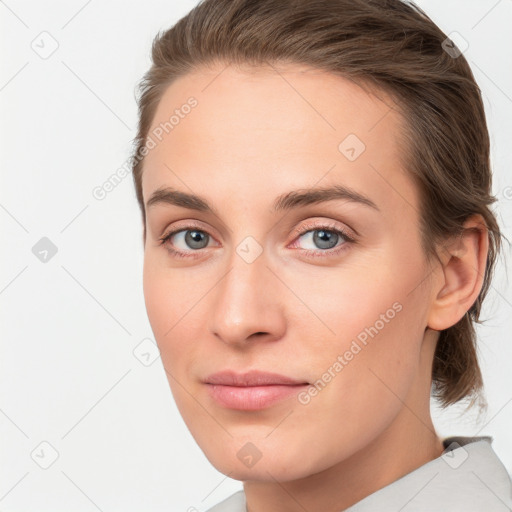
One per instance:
(257,460)
(260,472)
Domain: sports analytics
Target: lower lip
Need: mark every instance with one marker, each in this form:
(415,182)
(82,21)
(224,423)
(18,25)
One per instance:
(252,398)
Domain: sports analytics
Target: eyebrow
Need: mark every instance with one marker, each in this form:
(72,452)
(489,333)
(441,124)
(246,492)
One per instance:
(287,201)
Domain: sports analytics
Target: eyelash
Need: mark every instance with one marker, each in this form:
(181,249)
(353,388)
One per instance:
(306,229)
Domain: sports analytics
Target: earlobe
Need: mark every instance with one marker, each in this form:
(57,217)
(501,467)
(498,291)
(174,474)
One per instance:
(464,261)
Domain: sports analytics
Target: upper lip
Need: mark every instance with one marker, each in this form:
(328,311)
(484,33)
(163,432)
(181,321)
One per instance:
(250,378)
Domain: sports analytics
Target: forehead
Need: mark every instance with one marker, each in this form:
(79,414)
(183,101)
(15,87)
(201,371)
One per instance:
(273,126)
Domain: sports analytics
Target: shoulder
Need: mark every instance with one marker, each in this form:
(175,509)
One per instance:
(233,503)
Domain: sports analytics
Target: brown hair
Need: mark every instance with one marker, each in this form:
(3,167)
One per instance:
(389,45)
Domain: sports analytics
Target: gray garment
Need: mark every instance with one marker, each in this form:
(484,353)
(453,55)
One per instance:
(467,477)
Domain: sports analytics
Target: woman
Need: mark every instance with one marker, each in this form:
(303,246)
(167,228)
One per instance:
(314,183)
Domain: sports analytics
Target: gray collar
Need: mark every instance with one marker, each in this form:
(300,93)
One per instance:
(468,476)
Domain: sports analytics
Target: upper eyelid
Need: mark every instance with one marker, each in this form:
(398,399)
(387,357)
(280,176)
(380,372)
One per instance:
(189,226)
(317,225)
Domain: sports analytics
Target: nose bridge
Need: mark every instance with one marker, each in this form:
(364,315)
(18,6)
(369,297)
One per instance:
(243,301)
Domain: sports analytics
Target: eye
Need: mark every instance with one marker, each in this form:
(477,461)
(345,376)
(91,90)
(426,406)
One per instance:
(183,243)
(322,240)
(190,239)
(315,240)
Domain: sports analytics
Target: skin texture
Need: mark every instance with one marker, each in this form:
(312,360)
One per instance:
(254,135)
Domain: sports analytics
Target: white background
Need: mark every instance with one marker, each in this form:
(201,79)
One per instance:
(70,326)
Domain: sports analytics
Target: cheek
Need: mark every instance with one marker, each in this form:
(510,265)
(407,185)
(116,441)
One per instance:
(364,322)
(336,305)
(159,298)
(169,300)
(170,294)
(364,372)
(365,336)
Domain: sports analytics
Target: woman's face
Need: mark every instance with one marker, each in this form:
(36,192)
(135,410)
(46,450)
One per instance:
(278,271)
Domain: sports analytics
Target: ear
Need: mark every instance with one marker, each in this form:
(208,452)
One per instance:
(464,259)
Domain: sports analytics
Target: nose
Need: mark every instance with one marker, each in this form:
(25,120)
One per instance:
(247,305)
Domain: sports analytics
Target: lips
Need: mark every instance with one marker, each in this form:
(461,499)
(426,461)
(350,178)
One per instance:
(253,390)
(251,378)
